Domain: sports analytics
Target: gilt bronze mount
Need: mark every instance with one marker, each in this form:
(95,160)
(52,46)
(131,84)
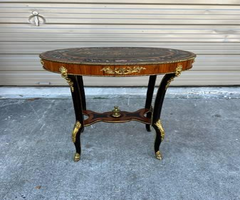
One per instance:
(64,74)
(123,70)
(116,112)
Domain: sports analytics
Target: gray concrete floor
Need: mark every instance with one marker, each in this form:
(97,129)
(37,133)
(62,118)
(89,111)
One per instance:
(201,152)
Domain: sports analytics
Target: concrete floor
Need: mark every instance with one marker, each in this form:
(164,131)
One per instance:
(201,152)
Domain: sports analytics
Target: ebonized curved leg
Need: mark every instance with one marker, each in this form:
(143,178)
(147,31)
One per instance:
(79,126)
(150,90)
(157,143)
(159,138)
(82,92)
(156,123)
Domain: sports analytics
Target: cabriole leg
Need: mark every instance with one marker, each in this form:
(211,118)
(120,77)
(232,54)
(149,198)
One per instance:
(156,122)
(79,126)
(150,90)
(82,92)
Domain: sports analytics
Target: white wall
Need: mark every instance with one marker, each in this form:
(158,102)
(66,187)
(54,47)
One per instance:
(209,29)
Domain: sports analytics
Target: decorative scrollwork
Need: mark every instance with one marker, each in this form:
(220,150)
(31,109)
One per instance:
(75,131)
(64,74)
(42,62)
(160,127)
(76,157)
(158,155)
(177,73)
(178,70)
(116,112)
(123,70)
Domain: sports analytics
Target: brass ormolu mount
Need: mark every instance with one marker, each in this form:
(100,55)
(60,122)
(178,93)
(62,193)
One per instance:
(158,155)
(116,112)
(177,73)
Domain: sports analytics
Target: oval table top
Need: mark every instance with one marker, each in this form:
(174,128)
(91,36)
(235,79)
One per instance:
(117,61)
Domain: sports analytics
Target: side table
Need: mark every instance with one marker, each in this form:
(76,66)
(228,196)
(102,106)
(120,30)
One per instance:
(118,61)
